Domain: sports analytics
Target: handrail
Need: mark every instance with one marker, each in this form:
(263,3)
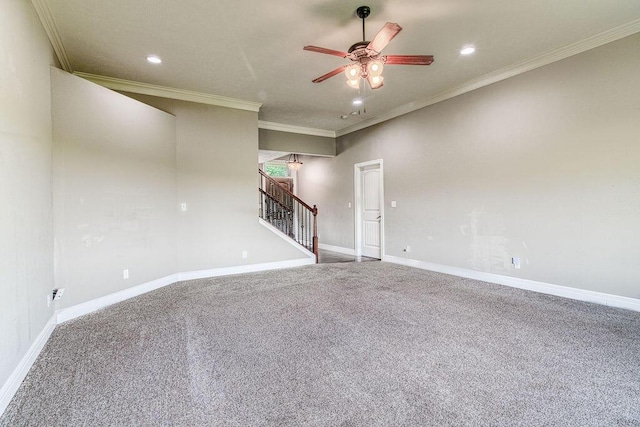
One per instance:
(273,181)
(274,199)
(288,213)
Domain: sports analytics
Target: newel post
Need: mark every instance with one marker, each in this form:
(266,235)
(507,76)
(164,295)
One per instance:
(315,232)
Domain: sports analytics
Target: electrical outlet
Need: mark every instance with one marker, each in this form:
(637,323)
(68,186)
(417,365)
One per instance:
(516,262)
(183,207)
(125,273)
(393,204)
(48,300)
(57,294)
(245,254)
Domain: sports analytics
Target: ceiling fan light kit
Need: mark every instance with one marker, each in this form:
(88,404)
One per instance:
(368,63)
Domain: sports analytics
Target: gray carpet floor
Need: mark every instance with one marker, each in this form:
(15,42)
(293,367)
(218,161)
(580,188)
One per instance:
(349,344)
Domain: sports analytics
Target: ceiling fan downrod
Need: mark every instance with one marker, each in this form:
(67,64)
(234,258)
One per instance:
(362,12)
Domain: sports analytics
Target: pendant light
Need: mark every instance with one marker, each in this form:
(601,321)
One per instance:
(294,163)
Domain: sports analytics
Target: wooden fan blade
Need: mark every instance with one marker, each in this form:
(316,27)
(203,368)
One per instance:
(327,51)
(409,59)
(384,36)
(330,74)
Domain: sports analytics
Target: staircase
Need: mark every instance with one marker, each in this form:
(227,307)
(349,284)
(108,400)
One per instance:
(286,212)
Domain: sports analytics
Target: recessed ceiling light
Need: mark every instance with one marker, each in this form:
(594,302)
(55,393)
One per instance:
(343,117)
(154,59)
(357,102)
(468,50)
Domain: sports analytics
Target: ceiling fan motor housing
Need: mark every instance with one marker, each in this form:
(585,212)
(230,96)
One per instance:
(358,45)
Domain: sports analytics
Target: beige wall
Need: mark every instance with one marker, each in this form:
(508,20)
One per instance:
(122,171)
(217,169)
(273,140)
(544,166)
(26,224)
(114,190)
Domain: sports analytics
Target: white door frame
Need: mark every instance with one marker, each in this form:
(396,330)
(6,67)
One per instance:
(357,169)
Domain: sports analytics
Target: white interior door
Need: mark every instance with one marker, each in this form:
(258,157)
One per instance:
(370,211)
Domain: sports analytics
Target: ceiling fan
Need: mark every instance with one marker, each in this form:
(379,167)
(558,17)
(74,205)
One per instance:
(368,63)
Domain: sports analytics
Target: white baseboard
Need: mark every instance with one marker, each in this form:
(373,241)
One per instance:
(250,268)
(516,282)
(18,375)
(338,249)
(81,309)
(78,310)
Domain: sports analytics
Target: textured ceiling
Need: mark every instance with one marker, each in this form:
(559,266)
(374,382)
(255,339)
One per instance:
(252,50)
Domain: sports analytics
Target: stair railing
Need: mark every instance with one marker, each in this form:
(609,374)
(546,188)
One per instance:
(286,212)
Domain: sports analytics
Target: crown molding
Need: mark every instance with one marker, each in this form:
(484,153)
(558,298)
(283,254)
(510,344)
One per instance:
(295,129)
(44,13)
(547,58)
(169,92)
